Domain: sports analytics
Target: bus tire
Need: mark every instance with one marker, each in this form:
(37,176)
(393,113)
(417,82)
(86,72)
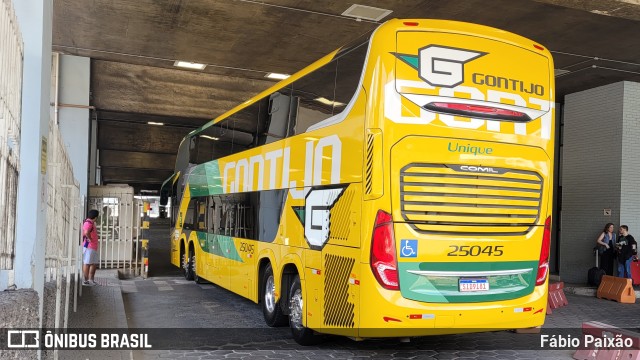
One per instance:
(302,335)
(271,309)
(196,278)
(187,266)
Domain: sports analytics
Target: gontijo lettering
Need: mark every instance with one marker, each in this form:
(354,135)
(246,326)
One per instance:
(241,175)
(507,84)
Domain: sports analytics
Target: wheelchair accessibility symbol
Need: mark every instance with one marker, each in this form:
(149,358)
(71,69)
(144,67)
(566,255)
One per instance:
(408,248)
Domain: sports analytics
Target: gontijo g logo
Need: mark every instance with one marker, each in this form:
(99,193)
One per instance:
(441,70)
(441,66)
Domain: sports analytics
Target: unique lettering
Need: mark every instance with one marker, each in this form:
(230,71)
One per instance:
(469,149)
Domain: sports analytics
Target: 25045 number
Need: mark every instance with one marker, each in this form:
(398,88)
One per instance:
(475,250)
(244,247)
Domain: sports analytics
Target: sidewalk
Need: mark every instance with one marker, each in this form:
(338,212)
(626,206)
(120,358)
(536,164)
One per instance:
(586,290)
(100,306)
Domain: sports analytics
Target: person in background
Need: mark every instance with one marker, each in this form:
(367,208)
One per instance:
(90,248)
(626,247)
(606,244)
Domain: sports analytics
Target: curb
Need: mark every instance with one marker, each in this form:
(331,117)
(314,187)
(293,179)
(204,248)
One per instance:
(113,282)
(588,291)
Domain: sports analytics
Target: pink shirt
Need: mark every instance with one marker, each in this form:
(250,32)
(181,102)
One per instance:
(90,227)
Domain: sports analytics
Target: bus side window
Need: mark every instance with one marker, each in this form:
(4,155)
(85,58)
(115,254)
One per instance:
(350,67)
(314,96)
(193,150)
(189,217)
(269,205)
(174,210)
(226,217)
(201,206)
(182,158)
(212,214)
(275,119)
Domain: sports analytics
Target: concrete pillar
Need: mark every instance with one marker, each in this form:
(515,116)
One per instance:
(600,171)
(74,114)
(35,18)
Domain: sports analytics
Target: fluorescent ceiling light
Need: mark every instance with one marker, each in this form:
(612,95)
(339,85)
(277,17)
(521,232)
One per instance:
(189,65)
(277,76)
(366,12)
(209,137)
(155,123)
(558,72)
(329,102)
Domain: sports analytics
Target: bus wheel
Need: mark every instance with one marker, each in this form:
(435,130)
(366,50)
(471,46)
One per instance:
(197,278)
(187,267)
(301,334)
(271,310)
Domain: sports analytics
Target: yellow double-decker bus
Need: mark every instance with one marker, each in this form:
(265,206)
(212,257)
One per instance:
(399,186)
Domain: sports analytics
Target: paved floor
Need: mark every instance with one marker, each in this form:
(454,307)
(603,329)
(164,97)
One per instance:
(211,323)
(150,304)
(99,307)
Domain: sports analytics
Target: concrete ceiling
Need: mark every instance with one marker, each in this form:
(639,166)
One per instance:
(134,44)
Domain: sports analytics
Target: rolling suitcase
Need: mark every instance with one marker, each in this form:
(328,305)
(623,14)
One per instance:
(635,270)
(594,277)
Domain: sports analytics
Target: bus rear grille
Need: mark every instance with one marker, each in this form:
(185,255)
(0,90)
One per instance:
(469,200)
(338,310)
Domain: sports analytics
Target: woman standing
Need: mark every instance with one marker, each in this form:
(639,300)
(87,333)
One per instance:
(606,245)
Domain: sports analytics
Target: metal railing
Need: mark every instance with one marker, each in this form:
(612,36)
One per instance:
(64,219)
(11,59)
(119,228)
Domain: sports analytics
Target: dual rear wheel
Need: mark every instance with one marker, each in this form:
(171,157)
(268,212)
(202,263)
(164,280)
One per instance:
(275,316)
(189,267)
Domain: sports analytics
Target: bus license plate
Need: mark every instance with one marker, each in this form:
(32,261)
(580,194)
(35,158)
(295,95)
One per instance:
(468,285)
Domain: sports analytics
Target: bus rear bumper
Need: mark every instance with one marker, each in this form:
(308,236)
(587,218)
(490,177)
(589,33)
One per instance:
(385,313)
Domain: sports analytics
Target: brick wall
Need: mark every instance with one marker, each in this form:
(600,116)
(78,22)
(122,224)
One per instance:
(591,174)
(630,182)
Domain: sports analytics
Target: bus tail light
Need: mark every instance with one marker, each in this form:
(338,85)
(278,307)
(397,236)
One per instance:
(478,111)
(383,252)
(543,264)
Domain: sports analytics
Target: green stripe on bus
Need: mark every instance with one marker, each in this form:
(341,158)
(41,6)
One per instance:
(205,180)
(445,289)
(220,245)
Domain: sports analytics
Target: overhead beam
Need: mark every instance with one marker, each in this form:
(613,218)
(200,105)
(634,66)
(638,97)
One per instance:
(123,136)
(126,176)
(188,122)
(168,92)
(136,159)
